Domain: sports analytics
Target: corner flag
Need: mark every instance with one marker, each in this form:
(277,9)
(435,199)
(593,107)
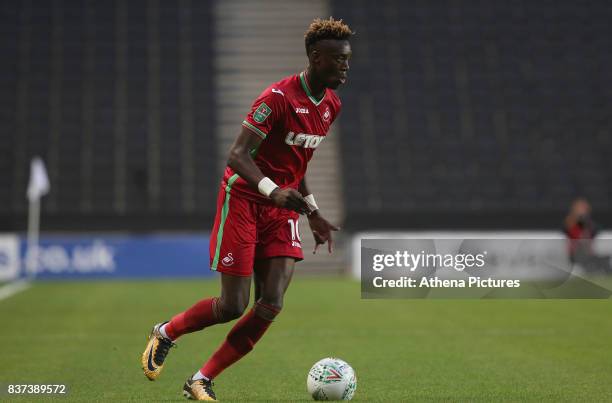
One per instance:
(39,181)
(37,187)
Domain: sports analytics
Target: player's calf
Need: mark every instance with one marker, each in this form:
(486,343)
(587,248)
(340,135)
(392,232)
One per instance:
(241,339)
(239,342)
(231,309)
(203,314)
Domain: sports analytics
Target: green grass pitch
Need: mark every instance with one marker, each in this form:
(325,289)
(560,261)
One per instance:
(90,337)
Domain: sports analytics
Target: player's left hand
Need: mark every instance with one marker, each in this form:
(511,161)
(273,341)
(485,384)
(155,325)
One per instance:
(321,230)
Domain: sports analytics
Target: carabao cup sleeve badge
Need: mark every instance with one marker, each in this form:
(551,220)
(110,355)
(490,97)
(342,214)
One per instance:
(262,112)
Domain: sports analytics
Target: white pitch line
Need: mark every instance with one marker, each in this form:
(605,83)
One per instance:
(13,288)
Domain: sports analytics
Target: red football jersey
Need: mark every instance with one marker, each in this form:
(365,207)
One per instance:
(292,124)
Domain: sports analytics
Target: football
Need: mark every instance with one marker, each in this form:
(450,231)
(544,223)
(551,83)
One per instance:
(331,379)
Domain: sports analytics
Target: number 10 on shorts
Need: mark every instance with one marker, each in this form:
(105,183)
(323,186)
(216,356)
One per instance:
(295,232)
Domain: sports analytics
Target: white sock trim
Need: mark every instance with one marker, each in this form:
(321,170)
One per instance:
(198,375)
(162,330)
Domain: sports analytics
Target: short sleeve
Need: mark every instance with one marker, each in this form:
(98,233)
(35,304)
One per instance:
(266,111)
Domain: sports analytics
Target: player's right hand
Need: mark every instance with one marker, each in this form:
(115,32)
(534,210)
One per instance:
(290,199)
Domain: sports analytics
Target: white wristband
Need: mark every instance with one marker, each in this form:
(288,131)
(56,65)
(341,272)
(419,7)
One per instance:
(310,200)
(266,186)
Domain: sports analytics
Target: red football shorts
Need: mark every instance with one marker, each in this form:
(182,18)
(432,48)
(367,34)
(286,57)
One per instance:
(245,230)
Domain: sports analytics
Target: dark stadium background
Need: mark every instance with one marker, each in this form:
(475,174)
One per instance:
(458,115)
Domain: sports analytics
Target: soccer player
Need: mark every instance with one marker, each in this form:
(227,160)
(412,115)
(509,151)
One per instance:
(262,193)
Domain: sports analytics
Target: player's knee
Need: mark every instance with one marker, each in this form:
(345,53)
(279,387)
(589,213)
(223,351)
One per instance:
(273,298)
(230,310)
(267,308)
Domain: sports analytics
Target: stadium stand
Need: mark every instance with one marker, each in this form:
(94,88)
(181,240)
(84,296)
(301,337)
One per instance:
(117,97)
(484,114)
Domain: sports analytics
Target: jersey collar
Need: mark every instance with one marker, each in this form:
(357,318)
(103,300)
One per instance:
(308,92)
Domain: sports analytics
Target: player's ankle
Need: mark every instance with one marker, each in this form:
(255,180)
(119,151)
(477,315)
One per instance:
(199,375)
(162,331)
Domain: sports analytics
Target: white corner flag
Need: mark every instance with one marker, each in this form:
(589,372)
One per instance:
(39,181)
(37,187)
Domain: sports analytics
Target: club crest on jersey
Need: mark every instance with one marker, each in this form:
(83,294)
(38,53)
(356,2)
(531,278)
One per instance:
(261,113)
(327,114)
(303,140)
(228,260)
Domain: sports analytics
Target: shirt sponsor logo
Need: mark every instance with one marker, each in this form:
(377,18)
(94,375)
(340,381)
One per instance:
(301,110)
(303,140)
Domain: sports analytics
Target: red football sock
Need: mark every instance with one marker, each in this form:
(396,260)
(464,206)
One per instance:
(199,316)
(239,341)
